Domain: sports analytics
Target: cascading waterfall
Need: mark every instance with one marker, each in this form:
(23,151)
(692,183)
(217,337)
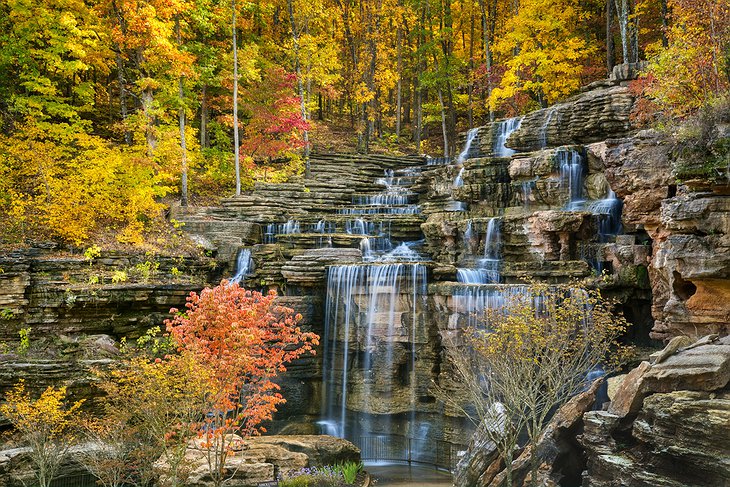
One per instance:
(608,216)
(492,260)
(364,322)
(244,266)
(471,135)
(544,129)
(472,303)
(459,179)
(489,264)
(504,130)
(570,163)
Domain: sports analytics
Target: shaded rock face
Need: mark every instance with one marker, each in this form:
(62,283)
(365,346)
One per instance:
(676,431)
(688,226)
(74,309)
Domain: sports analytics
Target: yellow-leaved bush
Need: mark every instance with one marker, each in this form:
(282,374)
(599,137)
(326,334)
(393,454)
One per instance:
(58,181)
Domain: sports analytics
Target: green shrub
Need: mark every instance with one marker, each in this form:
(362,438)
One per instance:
(349,471)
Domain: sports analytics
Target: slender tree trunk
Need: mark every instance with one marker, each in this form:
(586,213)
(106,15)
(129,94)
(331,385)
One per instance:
(183,140)
(122,93)
(470,85)
(443,123)
(622,10)
(204,117)
(665,13)
(487,40)
(610,47)
(236,145)
(399,89)
(300,86)
(148,99)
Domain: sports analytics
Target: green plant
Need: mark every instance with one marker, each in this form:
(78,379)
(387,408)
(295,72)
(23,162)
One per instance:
(7,314)
(94,279)
(174,271)
(300,481)
(69,298)
(349,471)
(119,276)
(147,269)
(92,253)
(155,343)
(24,344)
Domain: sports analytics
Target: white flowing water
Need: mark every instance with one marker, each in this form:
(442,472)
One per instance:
(504,129)
(244,266)
(570,163)
(364,311)
(608,216)
(471,135)
(459,179)
(544,129)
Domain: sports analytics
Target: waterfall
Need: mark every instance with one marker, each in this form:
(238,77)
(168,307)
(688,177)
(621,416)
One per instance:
(363,321)
(544,129)
(459,180)
(492,260)
(472,303)
(608,216)
(470,136)
(244,266)
(273,229)
(504,130)
(488,270)
(526,194)
(571,176)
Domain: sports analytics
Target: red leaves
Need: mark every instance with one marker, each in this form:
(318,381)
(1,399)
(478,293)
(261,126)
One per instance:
(245,340)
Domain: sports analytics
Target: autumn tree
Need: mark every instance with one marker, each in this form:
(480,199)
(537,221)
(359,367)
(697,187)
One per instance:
(532,356)
(695,66)
(543,51)
(244,340)
(46,425)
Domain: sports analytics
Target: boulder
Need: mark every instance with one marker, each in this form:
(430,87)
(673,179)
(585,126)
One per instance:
(262,459)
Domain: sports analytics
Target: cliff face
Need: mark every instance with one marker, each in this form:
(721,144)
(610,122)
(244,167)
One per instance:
(76,309)
(688,222)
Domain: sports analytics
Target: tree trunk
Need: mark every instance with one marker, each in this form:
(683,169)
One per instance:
(204,118)
(300,85)
(122,93)
(443,123)
(183,140)
(399,89)
(236,146)
(622,11)
(665,13)
(148,99)
(610,47)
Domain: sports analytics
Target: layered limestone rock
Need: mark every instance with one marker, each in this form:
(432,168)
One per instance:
(667,424)
(591,116)
(264,459)
(690,263)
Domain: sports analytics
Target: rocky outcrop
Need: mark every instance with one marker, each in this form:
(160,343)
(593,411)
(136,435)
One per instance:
(263,459)
(690,262)
(667,424)
(591,116)
(556,451)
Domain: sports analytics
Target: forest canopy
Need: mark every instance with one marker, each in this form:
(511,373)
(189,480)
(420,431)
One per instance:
(112,109)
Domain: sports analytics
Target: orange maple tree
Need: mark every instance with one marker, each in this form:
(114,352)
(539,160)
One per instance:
(244,340)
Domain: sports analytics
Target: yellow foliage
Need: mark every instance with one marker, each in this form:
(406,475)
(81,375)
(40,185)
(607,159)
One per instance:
(550,51)
(48,416)
(61,182)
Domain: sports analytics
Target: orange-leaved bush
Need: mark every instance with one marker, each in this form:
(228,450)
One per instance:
(244,340)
